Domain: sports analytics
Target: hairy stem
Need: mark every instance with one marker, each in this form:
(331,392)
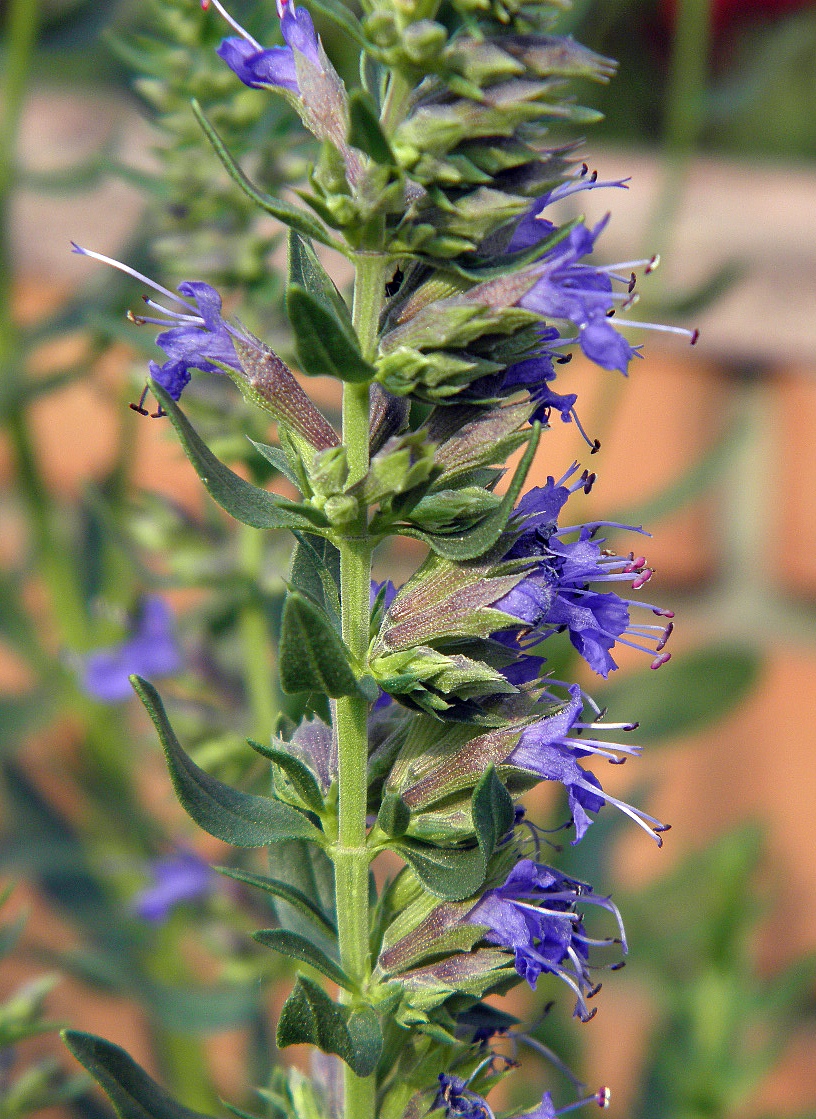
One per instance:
(351,712)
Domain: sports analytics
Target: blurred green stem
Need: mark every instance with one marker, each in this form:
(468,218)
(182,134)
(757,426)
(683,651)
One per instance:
(685,112)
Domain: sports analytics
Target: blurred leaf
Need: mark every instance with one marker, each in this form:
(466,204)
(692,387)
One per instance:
(693,691)
(133,1093)
(706,294)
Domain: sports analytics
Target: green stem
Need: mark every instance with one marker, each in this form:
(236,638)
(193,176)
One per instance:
(685,111)
(351,857)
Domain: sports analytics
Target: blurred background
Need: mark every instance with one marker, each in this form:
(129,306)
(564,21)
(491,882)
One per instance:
(114,924)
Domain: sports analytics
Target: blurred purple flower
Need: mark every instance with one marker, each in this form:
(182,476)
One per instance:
(151,650)
(176,879)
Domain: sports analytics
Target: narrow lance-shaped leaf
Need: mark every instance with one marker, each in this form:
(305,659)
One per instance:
(243,501)
(309,1016)
(298,947)
(285,212)
(285,892)
(133,1093)
(302,778)
(365,132)
(243,819)
(312,658)
(449,873)
(492,808)
(326,346)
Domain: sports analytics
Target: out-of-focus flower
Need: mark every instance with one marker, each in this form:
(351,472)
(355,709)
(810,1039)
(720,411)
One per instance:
(176,879)
(152,650)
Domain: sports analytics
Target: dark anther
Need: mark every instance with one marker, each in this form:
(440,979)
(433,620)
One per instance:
(394,284)
(593,178)
(653,263)
(632,282)
(631,726)
(135,319)
(694,336)
(596,446)
(610,313)
(592,993)
(591,1015)
(584,170)
(158,415)
(617,966)
(140,408)
(564,360)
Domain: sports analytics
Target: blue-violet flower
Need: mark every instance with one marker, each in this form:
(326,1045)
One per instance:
(176,879)
(556,595)
(151,650)
(534,915)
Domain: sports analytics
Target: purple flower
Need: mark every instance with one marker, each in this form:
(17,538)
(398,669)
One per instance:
(557,595)
(199,337)
(273,68)
(458,1101)
(176,879)
(151,650)
(571,289)
(388,597)
(547,749)
(534,915)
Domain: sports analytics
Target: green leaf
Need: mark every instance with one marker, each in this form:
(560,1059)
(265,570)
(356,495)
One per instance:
(394,815)
(299,947)
(300,775)
(310,1017)
(307,272)
(338,13)
(492,808)
(312,658)
(315,572)
(276,456)
(283,890)
(133,1093)
(694,691)
(326,346)
(243,819)
(474,542)
(449,873)
(295,218)
(365,132)
(243,501)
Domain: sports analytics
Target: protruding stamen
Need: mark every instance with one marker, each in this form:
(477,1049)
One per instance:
(653,263)
(136,275)
(219,7)
(140,408)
